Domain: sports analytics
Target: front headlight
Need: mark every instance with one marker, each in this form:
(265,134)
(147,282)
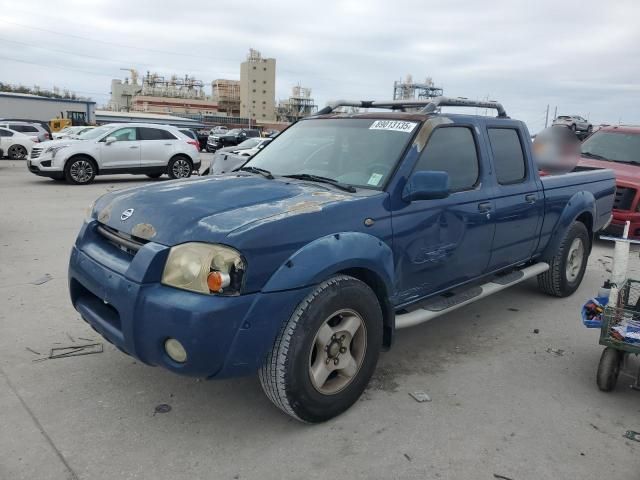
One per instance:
(54,150)
(204,268)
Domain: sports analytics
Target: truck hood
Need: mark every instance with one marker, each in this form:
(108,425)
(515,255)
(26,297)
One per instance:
(207,209)
(625,172)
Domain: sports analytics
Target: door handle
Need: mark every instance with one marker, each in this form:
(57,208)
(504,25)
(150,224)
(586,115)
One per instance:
(133,146)
(167,144)
(531,198)
(484,207)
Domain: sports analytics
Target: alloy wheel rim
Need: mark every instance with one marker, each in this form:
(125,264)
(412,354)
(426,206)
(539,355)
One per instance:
(575,258)
(337,352)
(81,171)
(17,152)
(181,168)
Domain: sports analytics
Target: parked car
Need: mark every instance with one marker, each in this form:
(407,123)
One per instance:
(214,136)
(301,265)
(17,145)
(71,132)
(230,139)
(30,129)
(43,125)
(230,158)
(618,148)
(135,148)
(574,122)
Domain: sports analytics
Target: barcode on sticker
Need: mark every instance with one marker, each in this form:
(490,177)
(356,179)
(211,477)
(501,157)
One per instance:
(394,125)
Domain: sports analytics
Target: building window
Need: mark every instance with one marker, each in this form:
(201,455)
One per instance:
(265,68)
(264,101)
(264,91)
(264,81)
(254,90)
(253,101)
(264,116)
(254,80)
(254,67)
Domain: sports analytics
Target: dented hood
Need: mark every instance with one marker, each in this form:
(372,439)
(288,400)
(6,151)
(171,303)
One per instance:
(207,209)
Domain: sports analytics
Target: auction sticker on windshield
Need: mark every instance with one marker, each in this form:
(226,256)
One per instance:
(394,125)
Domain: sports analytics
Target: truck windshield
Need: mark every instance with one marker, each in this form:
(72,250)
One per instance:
(358,152)
(617,147)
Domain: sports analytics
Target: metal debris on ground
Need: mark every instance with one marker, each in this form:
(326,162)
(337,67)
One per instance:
(44,279)
(407,457)
(501,477)
(163,408)
(420,396)
(558,352)
(631,435)
(76,350)
(32,350)
(536,330)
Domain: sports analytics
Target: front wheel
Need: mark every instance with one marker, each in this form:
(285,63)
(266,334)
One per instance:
(179,167)
(325,354)
(80,171)
(567,267)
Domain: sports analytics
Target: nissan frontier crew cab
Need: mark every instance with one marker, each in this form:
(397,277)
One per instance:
(302,264)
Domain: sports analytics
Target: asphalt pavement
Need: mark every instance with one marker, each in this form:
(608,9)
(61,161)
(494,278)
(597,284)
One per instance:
(505,400)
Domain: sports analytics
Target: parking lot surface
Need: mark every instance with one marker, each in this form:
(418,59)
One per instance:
(501,403)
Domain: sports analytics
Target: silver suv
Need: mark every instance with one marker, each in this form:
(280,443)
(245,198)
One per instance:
(26,128)
(135,148)
(574,122)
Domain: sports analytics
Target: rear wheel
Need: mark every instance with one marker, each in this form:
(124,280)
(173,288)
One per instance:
(17,152)
(325,354)
(609,369)
(567,267)
(80,170)
(180,167)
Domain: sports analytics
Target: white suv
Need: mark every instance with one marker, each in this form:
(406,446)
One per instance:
(136,148)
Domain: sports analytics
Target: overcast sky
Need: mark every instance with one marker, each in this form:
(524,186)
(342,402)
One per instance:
(581,56)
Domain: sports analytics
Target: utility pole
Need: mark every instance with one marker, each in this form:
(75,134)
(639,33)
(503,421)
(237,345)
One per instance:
(546,117)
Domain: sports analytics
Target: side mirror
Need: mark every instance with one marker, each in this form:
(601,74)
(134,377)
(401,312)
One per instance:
(426,185)
(110,140)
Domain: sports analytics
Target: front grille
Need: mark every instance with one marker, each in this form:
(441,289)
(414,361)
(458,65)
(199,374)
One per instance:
(624,198)
(123,241)
(35,152)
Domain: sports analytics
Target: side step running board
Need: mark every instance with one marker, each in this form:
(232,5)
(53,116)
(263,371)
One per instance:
(440,306)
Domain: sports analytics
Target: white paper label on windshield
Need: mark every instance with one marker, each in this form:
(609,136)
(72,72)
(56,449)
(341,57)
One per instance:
(394,125)
(374,179)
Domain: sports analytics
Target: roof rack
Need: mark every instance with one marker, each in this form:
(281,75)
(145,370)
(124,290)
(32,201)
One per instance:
(429,106)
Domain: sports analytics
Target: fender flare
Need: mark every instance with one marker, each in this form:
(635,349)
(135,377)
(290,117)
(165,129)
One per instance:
(331,254)
(579,204)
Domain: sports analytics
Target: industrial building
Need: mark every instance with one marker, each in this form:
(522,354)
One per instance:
(108,116)
(226,94)
(258,87)
(298,105)
(409,90)
(35,107)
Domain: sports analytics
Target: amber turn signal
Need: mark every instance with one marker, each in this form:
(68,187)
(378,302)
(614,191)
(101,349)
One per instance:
(216,281)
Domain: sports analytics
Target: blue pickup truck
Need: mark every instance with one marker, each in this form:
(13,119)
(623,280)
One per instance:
(301,265)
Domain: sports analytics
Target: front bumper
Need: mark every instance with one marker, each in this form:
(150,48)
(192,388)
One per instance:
(38,169)
(122,298)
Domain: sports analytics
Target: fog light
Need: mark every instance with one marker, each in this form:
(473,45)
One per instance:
(175,350)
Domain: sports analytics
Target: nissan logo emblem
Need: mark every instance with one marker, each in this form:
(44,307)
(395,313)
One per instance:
(126,214)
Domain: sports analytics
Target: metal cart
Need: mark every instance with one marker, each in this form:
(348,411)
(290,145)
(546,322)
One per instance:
(620,329)
(620,326)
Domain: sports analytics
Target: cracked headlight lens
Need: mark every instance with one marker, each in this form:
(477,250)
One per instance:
(204,268)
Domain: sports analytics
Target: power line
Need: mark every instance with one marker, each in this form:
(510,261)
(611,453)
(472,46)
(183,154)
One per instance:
(56,66)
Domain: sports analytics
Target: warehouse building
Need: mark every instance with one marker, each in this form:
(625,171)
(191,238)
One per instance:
(258,87)
(35,107)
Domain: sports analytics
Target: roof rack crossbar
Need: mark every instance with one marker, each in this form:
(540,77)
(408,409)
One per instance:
(429,105)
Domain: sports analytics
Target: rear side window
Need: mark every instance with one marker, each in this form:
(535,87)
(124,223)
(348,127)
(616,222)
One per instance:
(5,133)
(508,157)
(146,133)
(23,128)
(452,150)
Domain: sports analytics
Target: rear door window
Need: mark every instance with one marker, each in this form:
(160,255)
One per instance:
(5,133)
(24,128)
(508,157)
(147,133)
(452,150)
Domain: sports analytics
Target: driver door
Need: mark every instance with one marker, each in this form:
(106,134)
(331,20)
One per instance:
(123,153)
(442,243)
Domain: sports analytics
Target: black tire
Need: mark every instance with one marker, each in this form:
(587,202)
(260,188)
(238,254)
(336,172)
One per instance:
(80,170)
(286,373)
(154,175)
(608,369)
(573,127)
(59,179)
(180,166)
(17,152)
(557,281)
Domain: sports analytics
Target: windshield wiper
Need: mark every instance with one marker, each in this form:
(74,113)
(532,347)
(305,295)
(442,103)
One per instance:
(318,178)
(259,171)
(594,155)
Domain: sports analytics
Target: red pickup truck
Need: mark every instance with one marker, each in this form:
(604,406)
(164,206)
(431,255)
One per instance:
(618,148)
